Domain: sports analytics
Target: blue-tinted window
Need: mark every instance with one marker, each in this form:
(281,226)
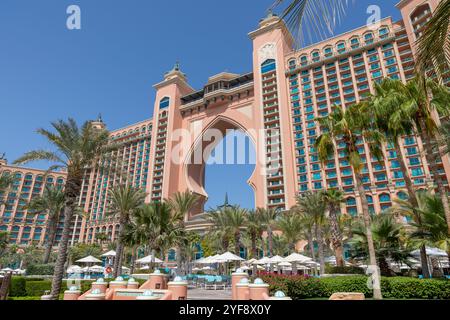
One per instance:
(164,103)
(268,65)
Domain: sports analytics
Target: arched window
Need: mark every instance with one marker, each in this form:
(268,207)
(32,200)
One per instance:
(328,51)
(369,199)
(383,32)
(268,66)
(385,197)
(340,46)
(351,202)
(164,103)
(402,195)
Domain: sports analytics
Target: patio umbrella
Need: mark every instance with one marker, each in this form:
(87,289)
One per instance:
(276,260)
(251,261)
(144,268)
(89,259)
(109,254)
(73,269)
(285,264)
(296,258)
(148,260)
(228,256)
(431,252)
(264,260)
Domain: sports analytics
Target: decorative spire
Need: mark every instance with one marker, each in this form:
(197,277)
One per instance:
(99,118)
(176,71)
(226,200)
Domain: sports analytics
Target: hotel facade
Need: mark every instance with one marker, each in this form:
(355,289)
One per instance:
(284,95)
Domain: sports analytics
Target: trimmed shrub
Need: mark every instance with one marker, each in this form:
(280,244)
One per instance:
(393,287)
(343,270)
(40,269)
(17,287)
(37,288)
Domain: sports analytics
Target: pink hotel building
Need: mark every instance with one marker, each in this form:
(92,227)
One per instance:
(287,90)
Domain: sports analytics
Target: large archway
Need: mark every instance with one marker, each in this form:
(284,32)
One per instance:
(196,161)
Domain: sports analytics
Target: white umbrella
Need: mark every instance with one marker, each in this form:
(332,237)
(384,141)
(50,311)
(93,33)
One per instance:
(432,252)
(285,264)
(260,267)
(211,259)
(206,268)
(196,269)
(109,254)
(145,268)
(245,268)
(228,256)
(199,260)
(264,260)
(7,270)
(148,260)
(89,259)
(276,260)
(296,257)
(96,269)
(73,269)
(125,268)
(19,271)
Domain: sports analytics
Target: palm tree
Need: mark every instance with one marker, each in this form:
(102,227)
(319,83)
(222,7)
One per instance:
(254,229)
(320,16)
(269,219)
(182,203)
(75,149)
(4,240)
(420,109)
(429,227)
(6,181)
(333,199)
(434,44)
(236,218)
(290,224)
(124,201)
(52,204)
(349,126)
(313,204)
(387,235)
(307,223)
(219,227)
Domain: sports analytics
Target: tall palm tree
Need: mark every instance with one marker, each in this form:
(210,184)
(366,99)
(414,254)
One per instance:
(236,217)
(219,227)
(349,126)
(52,204)
(313,204)
(417,106)
(124,201)
(290,224)
(333,199)
(75,149)
(254,230)
(4,240)
(434,44)
(269,219)
(182,203)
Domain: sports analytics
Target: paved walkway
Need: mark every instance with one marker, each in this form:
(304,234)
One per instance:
(202,294)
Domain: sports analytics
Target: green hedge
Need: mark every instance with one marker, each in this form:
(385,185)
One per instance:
(343,270)
(41,269)
(298,287)
(17,287)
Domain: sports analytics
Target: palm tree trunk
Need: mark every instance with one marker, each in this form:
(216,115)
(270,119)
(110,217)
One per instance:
(237,240)
(367,222)
(336,237)
(254,249)
(133,260)
(51,227)
(119,250)
(431,158)
(320,244)
(62,249)
(269,242)
(311,246)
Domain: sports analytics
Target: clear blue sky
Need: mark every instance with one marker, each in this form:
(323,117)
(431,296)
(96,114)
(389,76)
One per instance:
(48,72)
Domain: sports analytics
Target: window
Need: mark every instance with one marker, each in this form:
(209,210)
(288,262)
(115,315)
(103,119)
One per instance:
(268,66)
(385,197)
(164,103)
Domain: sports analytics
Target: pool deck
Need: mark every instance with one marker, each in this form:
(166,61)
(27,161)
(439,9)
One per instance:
(202,294)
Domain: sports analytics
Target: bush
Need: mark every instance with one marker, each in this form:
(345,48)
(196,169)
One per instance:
(17,287)
(298,287)
(40,269)
(37,288)
(343,270)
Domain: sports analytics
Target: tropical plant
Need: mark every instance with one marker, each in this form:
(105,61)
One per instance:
(417,106)
(51,202)
(434,44)
(4,240)
(182,203)
(254,230)
(219,227)
(124,201)
(429,227)
(313,204)
(6,181)
(82,250)
(76,148)
(387,239)
(319,16)
(269,220)
(290,224)
(349,126)
(236,217)
(333,199)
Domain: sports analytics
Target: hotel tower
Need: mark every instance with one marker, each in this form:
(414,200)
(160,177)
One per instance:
(284,95)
